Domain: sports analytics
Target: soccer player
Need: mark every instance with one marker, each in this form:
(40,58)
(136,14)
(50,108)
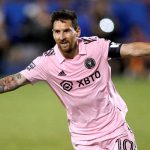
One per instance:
(77,69)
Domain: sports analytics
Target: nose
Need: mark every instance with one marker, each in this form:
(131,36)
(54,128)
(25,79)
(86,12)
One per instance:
(61,36)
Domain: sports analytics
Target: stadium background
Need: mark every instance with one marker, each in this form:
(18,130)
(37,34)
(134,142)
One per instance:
(32,118)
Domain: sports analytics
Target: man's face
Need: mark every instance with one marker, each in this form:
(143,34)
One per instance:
(65,35)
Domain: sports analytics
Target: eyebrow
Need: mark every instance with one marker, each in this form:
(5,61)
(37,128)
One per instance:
(67,29)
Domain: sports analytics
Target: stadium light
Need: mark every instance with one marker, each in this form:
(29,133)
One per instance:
(106,25)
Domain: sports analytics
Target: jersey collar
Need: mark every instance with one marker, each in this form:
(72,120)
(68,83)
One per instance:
(82,50)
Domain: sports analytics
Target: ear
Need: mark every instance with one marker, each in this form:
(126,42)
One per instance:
(78,31)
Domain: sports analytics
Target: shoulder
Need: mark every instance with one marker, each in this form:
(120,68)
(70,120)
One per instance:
(49,52)
(94,40)
(43,58)
(47,55)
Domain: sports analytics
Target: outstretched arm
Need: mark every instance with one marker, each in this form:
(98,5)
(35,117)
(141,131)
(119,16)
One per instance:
(12,82)
(135,49)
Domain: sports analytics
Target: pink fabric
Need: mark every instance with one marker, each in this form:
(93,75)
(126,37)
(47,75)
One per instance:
(126,141)
(94,108)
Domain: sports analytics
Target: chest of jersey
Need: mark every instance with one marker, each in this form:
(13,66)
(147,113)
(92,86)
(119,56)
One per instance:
(77,74)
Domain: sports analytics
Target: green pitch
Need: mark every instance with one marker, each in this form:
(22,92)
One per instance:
(32,118)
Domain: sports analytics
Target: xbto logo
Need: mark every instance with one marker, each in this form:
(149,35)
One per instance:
(68,85)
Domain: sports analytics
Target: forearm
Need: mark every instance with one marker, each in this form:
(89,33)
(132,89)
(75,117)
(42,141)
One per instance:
(8,84)
(12,82)
(1,89)
(135,49)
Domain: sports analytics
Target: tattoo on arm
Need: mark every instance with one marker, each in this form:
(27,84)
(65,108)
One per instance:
(18,76)
(1,89)
(12,82)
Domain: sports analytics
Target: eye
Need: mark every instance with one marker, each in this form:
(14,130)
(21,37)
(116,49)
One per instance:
(56,31)
(67,30)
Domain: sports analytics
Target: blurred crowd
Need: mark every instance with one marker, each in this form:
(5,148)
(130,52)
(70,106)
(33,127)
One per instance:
(25,29)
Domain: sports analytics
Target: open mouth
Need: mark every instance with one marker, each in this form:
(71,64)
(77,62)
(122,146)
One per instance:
(64,44)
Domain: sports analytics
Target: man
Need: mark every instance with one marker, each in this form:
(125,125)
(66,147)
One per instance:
(77,70)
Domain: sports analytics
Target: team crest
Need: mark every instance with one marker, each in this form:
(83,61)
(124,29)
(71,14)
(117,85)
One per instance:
(89,63)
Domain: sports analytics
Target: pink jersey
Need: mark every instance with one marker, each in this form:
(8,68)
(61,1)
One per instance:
(84,86)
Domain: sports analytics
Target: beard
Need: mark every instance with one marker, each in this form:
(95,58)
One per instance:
(67,49)
(65,46)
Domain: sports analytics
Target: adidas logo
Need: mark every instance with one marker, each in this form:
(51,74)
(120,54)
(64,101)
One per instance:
(62,73)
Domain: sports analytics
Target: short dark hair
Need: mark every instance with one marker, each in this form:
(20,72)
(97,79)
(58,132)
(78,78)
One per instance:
(65,14)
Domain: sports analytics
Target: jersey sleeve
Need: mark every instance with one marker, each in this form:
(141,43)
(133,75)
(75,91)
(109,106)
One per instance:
(109,49)
(103,45)
(35,70)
